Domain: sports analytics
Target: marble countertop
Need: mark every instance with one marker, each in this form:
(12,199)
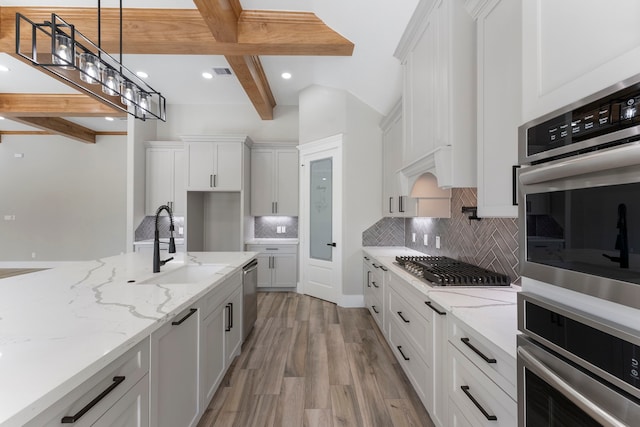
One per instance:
(177,240)
(274,241)
(490,311)
(59,327)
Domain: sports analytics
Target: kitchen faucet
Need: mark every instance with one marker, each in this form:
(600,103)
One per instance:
(156,240)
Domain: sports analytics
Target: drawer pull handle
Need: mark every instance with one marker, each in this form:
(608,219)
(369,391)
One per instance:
(400,350)
(488,416)
(181,321)
(478,352)
(374,285)
(430,305)
(375,265)
(402,317)
(374,309)
(367,258)
(384,268)
(72,419)
(368,278)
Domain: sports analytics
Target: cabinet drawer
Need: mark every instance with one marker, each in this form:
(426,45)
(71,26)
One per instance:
(479,398)
(273,249)
(375,308)
(418,372)
(416,327)
(215,297)
(456,417)
(132,410)
(413,296)
(117,378)
(497,365)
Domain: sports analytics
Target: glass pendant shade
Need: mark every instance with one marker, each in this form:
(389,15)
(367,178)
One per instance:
(144,101)
(110,81)
(63,52)
(89,65)
(129,93)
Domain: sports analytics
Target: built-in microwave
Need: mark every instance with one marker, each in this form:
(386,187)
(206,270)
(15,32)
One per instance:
(579,196)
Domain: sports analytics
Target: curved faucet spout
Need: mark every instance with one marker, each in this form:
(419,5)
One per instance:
(156,240)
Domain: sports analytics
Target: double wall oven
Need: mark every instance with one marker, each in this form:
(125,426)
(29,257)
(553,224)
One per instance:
(579,312)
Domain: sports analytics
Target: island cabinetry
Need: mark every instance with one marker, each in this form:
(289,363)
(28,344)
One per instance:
(482,379)
(499,37)
(277,265)
(219,343)
(274,181)
(174,371)
(437,52)
(562,66)
(165,174)
(214,163)
(120,391)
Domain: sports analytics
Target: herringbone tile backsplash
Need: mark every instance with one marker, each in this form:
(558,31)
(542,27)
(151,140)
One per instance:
(491,243)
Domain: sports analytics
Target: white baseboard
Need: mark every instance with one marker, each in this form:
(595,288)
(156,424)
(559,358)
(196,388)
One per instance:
(350,301)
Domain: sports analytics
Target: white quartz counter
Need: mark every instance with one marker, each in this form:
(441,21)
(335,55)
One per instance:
(492,312)
(59,327)
(272,241)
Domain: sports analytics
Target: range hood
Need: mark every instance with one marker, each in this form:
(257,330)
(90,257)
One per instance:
(429,179)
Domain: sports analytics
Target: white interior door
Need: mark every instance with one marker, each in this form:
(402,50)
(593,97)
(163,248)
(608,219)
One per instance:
(321,207)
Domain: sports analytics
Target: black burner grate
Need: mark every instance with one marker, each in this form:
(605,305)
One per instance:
(445,271)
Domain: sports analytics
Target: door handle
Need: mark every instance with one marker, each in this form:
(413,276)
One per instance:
(332,244)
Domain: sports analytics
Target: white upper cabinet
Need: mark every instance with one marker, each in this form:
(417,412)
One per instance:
(499,29)
(274,181)
(395,203)
(573,48)
(214,163)
(164,182)
(437,51)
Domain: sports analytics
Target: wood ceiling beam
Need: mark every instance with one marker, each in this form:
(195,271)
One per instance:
(59,126)
(184,31)
(53,105)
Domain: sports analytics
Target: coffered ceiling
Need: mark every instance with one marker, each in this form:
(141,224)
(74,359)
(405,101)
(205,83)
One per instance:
(341,44)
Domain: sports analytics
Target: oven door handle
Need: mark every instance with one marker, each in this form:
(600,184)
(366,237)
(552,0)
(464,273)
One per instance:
(553,379)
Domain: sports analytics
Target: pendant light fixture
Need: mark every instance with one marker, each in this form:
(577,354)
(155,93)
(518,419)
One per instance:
(83,65)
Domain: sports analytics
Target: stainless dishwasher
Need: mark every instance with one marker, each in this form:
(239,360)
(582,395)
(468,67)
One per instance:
(250,298)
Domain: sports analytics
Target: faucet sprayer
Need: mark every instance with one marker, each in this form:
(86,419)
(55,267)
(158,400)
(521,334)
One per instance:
(157,263)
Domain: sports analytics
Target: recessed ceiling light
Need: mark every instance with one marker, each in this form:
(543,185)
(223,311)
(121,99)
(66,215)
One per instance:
(109,119)
(1,118)
(207,75)
(286,75)
(4,68)
(142,74)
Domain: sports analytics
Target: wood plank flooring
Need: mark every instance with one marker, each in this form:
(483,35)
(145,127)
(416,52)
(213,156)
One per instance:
(309,363)
(8,272)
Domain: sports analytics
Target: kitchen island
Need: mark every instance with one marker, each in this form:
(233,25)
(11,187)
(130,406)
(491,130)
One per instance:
(60,327)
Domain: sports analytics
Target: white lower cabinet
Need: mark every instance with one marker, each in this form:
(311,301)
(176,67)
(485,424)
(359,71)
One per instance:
(233,326)
(374,290)
(456,417)
(479,398)
(123,385)
(174,372)
(277,265)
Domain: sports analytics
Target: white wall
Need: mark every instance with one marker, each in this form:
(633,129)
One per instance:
(68,198)
(325,112)
(229,119)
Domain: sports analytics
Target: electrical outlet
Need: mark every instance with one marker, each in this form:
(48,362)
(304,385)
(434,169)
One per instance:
(9,217)
(426,240)
(278,229)
(413,237)
(437,242)
(181,231)
(284,229)
(18,155)
(33,255)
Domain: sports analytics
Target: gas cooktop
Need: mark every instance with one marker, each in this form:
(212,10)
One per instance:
(444,271)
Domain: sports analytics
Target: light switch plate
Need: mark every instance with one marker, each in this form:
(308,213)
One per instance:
(437,242)
(426,240)
(413,237)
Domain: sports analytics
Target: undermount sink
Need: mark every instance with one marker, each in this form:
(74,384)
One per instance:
(190,273)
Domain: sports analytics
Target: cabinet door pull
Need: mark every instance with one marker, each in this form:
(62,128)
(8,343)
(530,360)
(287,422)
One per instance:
(70,419)
(368,278)
(375,285)
(514,184)
(401,204)
(430,305)
(402,353)
(390,204)
(276,211)
(273,207)
(476,351)
(373,307)
(489,417)
(229,308)
(403,318)
(215,180)
(211,181)
(375,265)
(189,314)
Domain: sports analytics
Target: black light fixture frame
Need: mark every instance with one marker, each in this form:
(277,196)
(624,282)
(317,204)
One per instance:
(70,72)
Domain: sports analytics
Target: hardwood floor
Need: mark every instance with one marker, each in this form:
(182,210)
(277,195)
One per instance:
(8,272)
(311,363)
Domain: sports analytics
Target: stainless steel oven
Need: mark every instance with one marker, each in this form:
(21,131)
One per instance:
(579,202)
(575,369)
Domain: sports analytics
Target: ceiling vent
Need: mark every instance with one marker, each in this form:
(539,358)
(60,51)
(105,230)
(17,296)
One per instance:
(222,71)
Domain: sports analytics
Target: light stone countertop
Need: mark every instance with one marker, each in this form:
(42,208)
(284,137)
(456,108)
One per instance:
(61,326)
(272,241)
(490,311)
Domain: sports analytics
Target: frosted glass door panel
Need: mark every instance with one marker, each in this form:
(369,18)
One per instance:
(321,192)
